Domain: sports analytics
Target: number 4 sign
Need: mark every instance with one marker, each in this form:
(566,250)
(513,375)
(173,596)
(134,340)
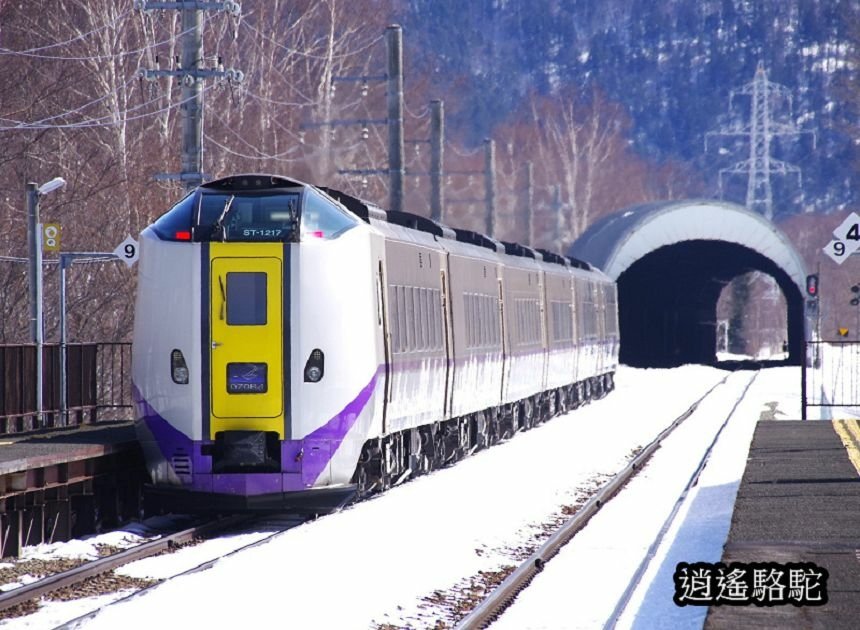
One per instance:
(847,239)
(127,251)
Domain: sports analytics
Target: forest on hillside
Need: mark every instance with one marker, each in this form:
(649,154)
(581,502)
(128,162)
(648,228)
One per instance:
(610,100)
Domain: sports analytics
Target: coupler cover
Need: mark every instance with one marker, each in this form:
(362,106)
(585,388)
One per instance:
(246,451)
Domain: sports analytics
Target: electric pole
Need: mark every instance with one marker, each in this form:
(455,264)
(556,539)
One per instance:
(437,159)
(396,171)
(529,203)
(191,76)
(490,185)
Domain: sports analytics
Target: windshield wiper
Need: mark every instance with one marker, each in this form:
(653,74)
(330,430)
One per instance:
(223,297)
(219,224)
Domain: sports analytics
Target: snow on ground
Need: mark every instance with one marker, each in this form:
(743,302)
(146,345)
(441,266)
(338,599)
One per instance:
(377,562)
(596,566)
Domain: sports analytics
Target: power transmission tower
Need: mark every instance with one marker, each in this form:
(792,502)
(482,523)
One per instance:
(191,77)
(768,101)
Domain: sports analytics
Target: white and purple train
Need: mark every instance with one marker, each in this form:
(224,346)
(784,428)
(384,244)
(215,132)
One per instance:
(294,345)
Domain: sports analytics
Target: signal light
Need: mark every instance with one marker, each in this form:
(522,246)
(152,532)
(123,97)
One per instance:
(183,235)
(812,285)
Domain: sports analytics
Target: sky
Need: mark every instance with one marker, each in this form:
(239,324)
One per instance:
(380,561)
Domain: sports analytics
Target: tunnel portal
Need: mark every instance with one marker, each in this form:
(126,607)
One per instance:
(671,261)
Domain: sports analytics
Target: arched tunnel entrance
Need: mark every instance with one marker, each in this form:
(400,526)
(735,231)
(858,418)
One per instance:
(667,302)
(672,259)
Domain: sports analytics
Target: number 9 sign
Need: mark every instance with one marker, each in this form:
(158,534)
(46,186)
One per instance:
(127,251)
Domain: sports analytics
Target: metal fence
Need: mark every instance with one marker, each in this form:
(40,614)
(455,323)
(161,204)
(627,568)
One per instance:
(98,385)
(831,379)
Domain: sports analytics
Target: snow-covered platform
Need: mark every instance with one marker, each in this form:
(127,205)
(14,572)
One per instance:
(798,506)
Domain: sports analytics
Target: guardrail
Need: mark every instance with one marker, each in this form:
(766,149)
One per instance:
(98,385)
(831,378)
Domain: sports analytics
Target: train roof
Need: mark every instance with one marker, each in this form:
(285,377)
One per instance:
(252,181)
(366,211)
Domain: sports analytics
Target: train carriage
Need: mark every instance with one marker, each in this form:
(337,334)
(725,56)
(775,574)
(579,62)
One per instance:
(294,345)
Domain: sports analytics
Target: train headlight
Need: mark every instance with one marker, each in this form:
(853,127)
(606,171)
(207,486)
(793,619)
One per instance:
(178,368)
(315,366)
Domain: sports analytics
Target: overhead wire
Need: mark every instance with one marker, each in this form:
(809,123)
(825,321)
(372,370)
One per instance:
(296,51)
(40,124)
(23,125)
(464,154)
(121,16)
(101,57)
(424,112)
(269,101)
(112,122)
(262,156)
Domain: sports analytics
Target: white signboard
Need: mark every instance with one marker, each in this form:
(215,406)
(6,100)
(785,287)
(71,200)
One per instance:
(838,251)
(849,229)
(127,251)
(847,239)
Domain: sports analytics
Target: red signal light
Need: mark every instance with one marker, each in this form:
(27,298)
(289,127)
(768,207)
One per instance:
(812,284)
(183,235)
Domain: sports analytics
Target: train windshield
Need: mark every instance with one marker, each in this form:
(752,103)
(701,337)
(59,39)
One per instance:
(248,217)
(322,218)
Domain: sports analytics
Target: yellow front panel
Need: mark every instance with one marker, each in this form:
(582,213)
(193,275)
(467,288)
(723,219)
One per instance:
(247,345)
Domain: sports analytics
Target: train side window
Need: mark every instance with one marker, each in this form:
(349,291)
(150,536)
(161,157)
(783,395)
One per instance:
(471,318)
(246,298)
(437,319)
(467,311)
(536,323)
(321,218)
(410,319)
(401,305)
(497,329)
(425,324)
(476,320)
(479,336)
(486,327)
(497,323)
(485,321)
(393,319)
(175,224)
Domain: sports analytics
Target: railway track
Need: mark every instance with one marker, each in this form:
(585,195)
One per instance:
(502,597)
(274,524)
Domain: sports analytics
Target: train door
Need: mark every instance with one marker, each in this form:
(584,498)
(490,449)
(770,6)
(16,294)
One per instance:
(504,337)
(382,321)
(448,340)
(247,346)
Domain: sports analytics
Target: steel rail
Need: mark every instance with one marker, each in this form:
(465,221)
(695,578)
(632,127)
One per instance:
(626,596)
(503,595)
(288,522)
(71,577)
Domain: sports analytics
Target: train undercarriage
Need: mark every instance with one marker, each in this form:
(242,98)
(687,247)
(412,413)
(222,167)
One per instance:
(392,459)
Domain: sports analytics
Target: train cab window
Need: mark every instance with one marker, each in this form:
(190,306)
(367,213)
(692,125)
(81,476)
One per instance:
(245,295)
(247,217)
(321,218)
(175,224)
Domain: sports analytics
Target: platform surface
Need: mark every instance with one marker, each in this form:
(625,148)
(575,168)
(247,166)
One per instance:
(35,450)
(798,502)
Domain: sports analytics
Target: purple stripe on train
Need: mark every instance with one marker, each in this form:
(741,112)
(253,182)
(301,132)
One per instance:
(302,461)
